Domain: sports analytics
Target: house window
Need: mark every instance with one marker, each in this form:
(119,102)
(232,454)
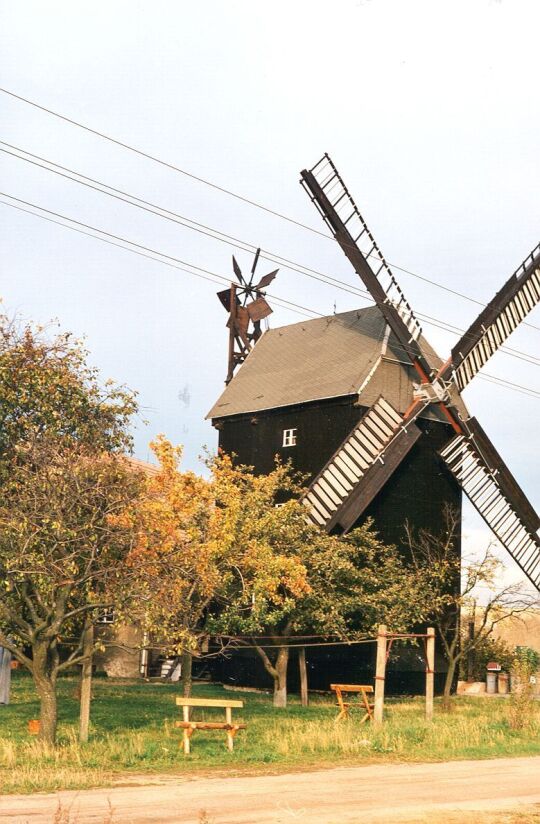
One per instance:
(289,437)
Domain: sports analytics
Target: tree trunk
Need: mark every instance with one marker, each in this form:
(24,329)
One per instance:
(187,678)
(280,678)
(44,672)
(278,672)
(86,682)
(446,702)
(302,669)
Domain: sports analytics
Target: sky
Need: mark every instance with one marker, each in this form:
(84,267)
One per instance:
(428,108)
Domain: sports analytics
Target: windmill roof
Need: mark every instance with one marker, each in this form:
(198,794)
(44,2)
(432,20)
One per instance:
(350,353)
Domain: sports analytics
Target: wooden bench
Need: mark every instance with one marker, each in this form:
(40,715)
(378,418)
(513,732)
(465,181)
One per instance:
(363,690)
(189,727)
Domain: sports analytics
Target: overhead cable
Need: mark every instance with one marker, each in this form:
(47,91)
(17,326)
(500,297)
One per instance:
(204,274)
(160,211)
(226,191)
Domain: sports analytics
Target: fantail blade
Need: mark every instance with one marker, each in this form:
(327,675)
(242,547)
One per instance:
(237,270)
(257,253)
(266,280)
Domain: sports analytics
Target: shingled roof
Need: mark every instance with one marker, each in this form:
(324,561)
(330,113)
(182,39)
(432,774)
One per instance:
(348,354)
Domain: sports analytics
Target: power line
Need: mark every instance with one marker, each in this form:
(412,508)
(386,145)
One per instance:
(216,234)
(164,163)
(204,274)
(212,277)
(235,195)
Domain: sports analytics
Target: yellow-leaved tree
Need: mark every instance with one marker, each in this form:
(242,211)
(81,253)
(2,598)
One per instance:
(234,554)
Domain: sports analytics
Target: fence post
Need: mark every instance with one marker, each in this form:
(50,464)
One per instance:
(470,654)
(303,676)
(430,671)
(380,669)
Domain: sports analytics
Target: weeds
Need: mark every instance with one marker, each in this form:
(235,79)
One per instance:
(522,709)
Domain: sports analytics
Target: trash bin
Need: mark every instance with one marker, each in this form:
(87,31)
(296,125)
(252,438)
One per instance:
(502,683)
(491,683)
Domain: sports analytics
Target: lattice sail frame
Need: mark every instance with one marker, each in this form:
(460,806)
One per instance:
(331,183)
(362,447)
(518,297)
(470,456)
(481,487)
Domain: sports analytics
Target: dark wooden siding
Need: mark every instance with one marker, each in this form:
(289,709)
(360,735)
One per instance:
(417,491)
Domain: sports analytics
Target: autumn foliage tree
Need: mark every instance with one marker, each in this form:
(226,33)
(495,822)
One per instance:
(218,556)
(175,565)
(61,482)
(297,579)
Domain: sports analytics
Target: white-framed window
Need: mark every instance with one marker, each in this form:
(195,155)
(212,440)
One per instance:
(289,437)
(106,616)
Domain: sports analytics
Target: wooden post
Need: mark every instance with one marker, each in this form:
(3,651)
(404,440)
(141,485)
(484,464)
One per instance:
(230,734)
(303,676)
(232,332)
(86,682)
(430,672)
(5,675)
(185,716)
(470,654)
(380,669)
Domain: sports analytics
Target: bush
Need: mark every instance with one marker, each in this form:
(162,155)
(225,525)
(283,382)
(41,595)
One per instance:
(489,649)
(522,710)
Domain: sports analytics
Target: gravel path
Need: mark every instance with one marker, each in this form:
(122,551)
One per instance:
(345,795)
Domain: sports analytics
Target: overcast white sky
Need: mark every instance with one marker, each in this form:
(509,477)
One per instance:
(429,109)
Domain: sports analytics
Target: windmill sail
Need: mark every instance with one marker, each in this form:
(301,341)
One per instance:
(492,490)
(360,467)
(328,191)
(495,324)
(351,479)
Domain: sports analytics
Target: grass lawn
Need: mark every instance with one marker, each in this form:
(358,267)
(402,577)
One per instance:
(132,733)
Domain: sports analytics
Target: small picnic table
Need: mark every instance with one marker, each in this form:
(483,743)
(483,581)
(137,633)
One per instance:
(189,727)
(363,690)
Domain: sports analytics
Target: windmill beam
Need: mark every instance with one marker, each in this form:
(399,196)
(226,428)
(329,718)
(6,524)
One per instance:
(374,480)
(363,270)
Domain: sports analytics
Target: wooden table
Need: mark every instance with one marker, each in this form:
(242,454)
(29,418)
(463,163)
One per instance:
(189,727)
(363,690)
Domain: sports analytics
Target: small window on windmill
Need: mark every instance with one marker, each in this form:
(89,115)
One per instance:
(106,616)
(289,437)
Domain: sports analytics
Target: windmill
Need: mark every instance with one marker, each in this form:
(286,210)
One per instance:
(380,441)
(247,306)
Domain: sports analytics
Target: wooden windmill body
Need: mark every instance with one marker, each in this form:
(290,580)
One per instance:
(362,403)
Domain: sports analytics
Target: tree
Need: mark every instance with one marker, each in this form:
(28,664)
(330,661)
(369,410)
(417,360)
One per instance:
(457,588)
(175,564)
(60,483)
(60,555)
(219,556)
(194,548)
(48,388)
(344,587)
(291,577)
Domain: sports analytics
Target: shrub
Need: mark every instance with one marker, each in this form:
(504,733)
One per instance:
(522,708)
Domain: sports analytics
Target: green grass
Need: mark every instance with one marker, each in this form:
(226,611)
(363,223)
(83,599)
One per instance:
(132,734)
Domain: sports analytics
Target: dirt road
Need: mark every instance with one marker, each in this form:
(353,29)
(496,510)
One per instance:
(350,795)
